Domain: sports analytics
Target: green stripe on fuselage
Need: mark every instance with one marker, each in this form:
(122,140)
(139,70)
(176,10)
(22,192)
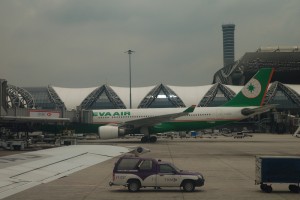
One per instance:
(185,126)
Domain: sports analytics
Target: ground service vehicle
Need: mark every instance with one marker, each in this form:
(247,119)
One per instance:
(278,169)
(137,172)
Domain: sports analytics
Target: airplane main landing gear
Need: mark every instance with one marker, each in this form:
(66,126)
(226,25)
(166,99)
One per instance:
(151,139)
(144,139)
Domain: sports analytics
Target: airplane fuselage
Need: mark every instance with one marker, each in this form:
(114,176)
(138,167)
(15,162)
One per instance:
(201,118)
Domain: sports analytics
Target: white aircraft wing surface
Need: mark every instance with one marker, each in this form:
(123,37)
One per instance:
(22,171)
(149,121)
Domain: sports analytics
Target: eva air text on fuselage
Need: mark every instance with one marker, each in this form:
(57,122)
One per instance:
(113,114)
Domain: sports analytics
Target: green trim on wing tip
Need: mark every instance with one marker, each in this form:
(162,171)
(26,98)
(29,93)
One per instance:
(190,109)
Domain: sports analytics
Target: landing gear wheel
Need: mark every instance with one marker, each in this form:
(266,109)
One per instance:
(266,188)
(294,188)
(188,186)
(153,139)
(144,139)
(134,186)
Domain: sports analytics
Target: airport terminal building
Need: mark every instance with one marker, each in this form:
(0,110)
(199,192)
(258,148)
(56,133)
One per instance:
(228,81)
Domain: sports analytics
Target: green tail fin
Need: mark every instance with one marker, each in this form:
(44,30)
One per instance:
(254,92)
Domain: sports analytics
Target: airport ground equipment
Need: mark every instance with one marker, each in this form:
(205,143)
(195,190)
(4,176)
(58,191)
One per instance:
(277,169)
(136,172)
(16,144)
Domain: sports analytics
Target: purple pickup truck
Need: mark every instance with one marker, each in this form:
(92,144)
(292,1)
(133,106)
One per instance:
(137,172)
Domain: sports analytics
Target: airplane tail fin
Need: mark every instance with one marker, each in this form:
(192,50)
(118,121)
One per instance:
(254,92)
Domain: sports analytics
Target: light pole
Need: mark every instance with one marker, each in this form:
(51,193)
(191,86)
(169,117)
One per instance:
(129,52)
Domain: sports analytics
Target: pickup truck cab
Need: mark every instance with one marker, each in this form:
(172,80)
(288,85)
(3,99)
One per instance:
(137,172)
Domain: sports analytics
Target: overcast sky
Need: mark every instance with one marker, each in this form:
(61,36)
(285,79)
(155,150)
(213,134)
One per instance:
(81,43)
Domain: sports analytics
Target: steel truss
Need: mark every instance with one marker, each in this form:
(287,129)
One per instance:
(54,98)
(19,97)
(170,94)
(93,97)
(290,93)
(212,92)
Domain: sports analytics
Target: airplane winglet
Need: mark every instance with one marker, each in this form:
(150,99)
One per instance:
(190,109)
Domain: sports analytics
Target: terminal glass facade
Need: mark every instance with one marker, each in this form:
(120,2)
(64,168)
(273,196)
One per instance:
(102,98)
(103,102)
(219,99)
(41,97)
(283,101)
(161,101)
(161,97)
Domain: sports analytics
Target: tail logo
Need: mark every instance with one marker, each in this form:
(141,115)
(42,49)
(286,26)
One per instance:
(252,89)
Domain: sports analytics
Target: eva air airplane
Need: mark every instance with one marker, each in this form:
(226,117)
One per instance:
(248,102)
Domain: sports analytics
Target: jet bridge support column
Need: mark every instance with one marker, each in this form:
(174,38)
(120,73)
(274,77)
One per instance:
(3,95)
(297,132)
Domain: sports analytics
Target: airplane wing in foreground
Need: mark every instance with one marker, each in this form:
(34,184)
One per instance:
(158,119)
(22,171)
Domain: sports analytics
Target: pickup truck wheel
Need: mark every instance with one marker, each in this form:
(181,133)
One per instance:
(134,186)
(294,188)
(263,187)
(188,186)
(266,188)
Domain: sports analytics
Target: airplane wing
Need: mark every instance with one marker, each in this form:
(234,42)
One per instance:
(158,119)
(22,171)
(32,119)
(258,110)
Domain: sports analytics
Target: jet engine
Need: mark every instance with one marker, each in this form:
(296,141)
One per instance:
(110,132)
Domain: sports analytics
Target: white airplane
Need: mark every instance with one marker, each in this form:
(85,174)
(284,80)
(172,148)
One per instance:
(116,123)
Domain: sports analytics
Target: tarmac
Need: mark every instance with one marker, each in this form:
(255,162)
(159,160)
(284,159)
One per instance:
(228,165)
